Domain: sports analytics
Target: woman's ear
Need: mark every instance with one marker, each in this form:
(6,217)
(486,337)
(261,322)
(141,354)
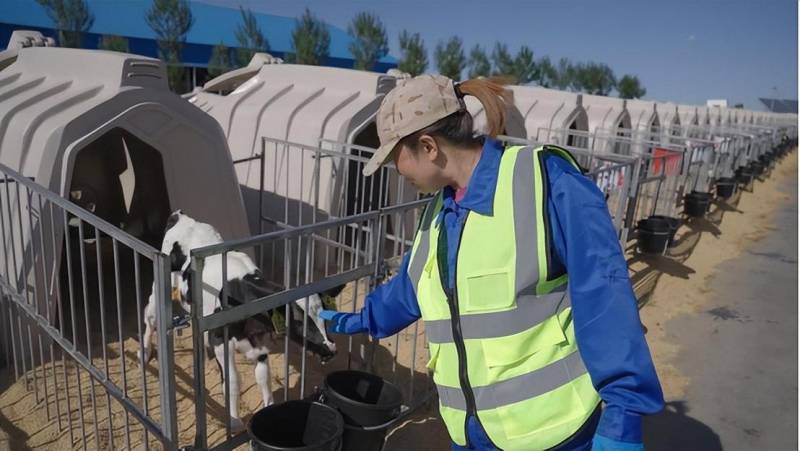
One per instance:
(429,147)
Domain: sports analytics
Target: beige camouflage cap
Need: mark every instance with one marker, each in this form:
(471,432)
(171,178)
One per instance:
(412,105)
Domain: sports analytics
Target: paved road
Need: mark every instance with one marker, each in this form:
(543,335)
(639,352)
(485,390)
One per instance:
(740,355)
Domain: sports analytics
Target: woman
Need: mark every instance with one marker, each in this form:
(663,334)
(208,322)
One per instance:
(521,357)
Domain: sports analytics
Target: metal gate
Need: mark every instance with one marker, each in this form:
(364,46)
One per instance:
(323,228)
(70,284)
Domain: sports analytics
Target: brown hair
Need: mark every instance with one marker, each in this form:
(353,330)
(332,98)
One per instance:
(457,128)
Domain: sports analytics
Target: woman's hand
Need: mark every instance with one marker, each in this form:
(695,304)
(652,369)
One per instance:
(342,323)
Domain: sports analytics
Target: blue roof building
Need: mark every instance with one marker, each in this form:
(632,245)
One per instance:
(212,25)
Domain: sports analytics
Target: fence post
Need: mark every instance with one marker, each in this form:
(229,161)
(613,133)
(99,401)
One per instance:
(198,350)
(166,349)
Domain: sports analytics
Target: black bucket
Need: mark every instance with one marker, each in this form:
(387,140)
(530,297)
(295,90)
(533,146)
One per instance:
(757,168)
(365,401)
(744,175)
(725,187)
(653,236)
(695,204)
(296,425)
(674,223)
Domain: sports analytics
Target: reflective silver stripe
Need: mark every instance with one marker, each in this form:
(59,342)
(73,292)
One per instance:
(525,226)
(531,310)
(420,257)
(516,389)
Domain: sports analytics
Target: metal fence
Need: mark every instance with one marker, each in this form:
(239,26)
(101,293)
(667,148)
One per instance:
(357,231)
(289,184)
(70,282)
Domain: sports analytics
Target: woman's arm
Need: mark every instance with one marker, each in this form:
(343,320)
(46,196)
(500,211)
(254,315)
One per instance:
(390,308)
(605,314)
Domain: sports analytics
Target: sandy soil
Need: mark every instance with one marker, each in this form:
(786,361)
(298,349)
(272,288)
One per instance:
(28,424)
(667,286)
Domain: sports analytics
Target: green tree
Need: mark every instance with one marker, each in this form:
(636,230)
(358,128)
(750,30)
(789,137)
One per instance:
(450,59)
(369,40)
(114,43)
(249,37)
(415,58)
(72,18)
(524,65)
(546,73)
(565,74)
(220,61)
(311,40)
(595,78)
(629,87)
(504,63)
(171,20)
(479,65)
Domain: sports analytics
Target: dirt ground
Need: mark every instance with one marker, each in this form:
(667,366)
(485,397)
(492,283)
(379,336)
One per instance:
(683,279)
(26,423)
(666,286)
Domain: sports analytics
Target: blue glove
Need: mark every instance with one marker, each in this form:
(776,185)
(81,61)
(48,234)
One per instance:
(343,323)
(600,443)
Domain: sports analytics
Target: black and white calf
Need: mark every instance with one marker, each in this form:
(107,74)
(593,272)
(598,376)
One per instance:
(245,283)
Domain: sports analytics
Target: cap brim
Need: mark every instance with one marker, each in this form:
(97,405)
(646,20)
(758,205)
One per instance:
(379,157)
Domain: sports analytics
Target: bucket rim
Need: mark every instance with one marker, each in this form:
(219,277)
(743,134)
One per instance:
(337,436)
(329,391)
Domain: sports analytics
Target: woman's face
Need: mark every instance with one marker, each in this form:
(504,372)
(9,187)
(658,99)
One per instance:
(423,166)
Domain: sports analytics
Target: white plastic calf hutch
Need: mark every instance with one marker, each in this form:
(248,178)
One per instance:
(552,116)
(295,108)
(104,126)
(103,130)
(607,115)
(689,115)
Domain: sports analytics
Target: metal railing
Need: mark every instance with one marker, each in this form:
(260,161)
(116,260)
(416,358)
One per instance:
(69,282)
(356,230)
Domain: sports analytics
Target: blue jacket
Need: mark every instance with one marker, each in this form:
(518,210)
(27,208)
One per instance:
(607,326)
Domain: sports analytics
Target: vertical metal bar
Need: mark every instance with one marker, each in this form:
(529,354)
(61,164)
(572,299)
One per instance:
(287,277)
(20,277)
(86,298)
(24,276)
(166,349)
(101,294)
(32,240)
(262,166)
(287,312)
(226,391)
(80,403)
(7,208)
(65,240)
(4,301)
(118,295)
(200,391)
(42,259)
(299,257)
(138,282)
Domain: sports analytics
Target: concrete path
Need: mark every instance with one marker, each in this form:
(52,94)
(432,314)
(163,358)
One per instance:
(740,352)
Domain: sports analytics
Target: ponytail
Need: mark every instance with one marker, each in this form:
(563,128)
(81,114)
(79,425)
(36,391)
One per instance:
(494,97)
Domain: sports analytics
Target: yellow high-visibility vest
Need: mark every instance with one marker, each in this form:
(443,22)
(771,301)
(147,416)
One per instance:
(502,344)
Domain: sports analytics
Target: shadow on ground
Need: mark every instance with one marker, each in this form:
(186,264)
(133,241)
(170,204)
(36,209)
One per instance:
(674,429)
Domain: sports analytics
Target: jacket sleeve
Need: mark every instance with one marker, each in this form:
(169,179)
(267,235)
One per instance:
(391,307)
(606,319)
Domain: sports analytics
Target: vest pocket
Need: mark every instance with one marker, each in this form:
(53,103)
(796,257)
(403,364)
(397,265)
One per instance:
(515,350)
(488,290)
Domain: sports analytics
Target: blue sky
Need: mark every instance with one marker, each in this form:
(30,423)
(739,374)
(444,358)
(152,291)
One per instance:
(684,51)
